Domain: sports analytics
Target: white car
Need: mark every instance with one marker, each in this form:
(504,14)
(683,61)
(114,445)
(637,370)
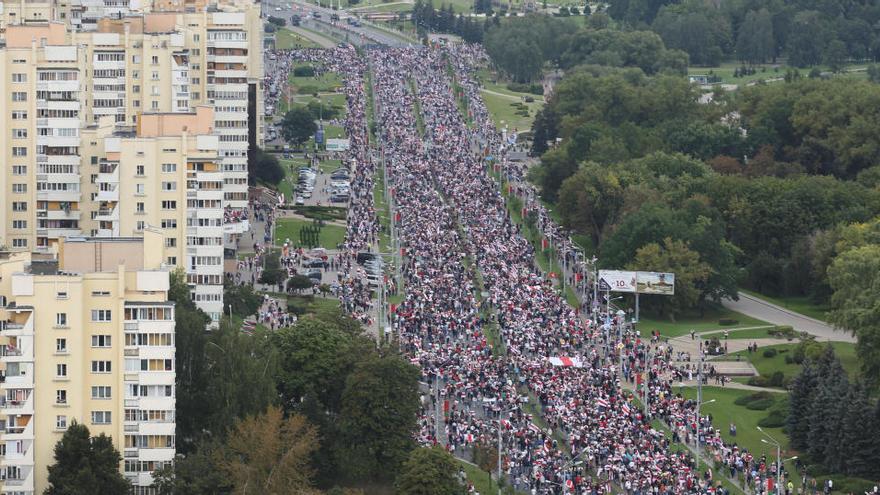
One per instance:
(277,9)
(299,200)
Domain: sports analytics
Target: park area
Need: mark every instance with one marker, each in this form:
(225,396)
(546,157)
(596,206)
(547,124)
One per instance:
(329,237)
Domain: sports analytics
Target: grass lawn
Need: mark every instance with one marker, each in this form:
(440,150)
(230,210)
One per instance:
(289,228)
(333,132)
(314,304)
(749,333)
(685,323)
(766,366)
(504,111)
(385,7)
(482,481)
(325,83)
(798,304)
(286,39)
(492,82)
(763,72)
(724,412)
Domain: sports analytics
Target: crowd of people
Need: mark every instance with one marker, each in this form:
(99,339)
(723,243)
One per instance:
(469,272)
(486,326)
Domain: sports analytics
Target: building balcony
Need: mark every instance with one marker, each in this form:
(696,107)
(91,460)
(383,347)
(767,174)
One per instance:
(63,196)
(61,214)
(108,214)
(112,195)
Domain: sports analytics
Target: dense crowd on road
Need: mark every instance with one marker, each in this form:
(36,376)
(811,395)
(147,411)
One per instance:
(486,326)
(471,275)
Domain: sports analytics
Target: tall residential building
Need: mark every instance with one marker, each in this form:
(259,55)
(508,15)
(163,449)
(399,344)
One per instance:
(62,87)
(86,335)
(163,173)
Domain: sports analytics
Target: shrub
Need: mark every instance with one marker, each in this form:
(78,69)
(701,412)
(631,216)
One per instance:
(789,360)
(529,99)
(307,90)
(745,399)
(758,381)
(777,379)
(774,419)
(726,322)
(759,405)
(304,71)
(518,87)
(769,353)
(298,305)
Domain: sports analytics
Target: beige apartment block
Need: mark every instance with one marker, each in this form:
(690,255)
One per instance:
(164,173)
(86,335)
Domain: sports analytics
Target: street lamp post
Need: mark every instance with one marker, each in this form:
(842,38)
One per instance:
(772,441)
(500,426)
(699,398)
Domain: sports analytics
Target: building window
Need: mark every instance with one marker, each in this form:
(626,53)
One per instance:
(169,223)
(19,77)
(19,115)
(102,366)
(19,170)
(139,189)
(19,188)
(139,226)
(60,319)
(169,167)
(100,341)
(170,242)
(61,422)
(61,396)
(19,96)
(19,134)
(139,170)
(19,243)
(139,207)
(61,294)
(169,186)
(101,315)
(101,392)
(169,205)
(172,260)
(19,224)
(60,345)
(154,105)
(19,151)
(60,370)
(100,417)
(19,206)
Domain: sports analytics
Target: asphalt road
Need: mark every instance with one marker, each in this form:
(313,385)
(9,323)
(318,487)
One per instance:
(771,313)
(364,34)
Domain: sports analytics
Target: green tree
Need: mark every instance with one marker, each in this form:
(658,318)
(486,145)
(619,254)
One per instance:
(690,273)
(242,297)
(379,414)
(835,55)
(86,465)
(299,282)
(191,366)
(267,453)
(755,43)
(298,125)
(854,276)
(861,456)
(802,391)
(590,200)
(429,471)
(195,473)
(823,441)
(264,167)
(316,358)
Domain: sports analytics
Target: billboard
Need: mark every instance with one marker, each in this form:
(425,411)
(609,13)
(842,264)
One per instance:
(617,281)
(641,282)
(337,144)
(655,283)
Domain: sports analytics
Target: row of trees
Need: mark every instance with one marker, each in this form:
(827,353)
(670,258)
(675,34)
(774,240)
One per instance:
(444,20)
(520,46)
(317,404)
(833,420)
(740,191)
(806,32)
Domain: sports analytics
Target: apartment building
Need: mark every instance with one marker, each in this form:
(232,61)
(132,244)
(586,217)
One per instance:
(163,173)
(86,335)
(41,102)
(142,62)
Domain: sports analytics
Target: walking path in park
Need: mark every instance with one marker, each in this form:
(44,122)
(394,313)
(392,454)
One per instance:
(777,315)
